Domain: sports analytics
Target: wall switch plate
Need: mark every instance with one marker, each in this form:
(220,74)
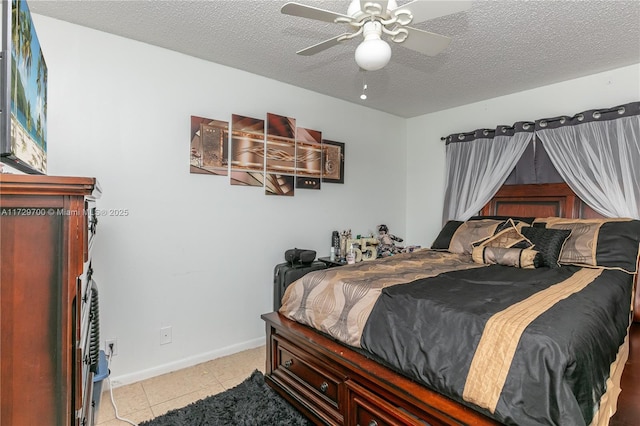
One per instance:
(165,335)
(111,347)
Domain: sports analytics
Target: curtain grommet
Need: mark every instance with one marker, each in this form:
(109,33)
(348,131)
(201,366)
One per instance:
(563,120)
(460,137)
(580,117)
(525,126)
(485,132)
(543,123)
(621,110)
(596,115)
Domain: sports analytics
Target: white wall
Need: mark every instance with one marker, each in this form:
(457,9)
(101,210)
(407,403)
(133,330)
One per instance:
(426,152)
(194,252)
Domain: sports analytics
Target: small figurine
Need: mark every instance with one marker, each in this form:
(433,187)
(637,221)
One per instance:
(387,242)
(345,236)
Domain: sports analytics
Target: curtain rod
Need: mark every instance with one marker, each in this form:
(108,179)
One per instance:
(579,116)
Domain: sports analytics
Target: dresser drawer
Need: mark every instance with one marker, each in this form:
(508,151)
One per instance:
(306,374)
(368,409)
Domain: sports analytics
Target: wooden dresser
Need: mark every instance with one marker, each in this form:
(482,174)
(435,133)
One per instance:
(48,316)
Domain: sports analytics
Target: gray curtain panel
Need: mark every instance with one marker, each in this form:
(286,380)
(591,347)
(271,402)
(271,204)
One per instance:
(597,152)
(478,163)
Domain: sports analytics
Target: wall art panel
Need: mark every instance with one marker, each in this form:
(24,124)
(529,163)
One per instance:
(241,178)
(247,143)
(209,146)
(281,147)
(333,161)
(308,158)
(276,184)
(272,153)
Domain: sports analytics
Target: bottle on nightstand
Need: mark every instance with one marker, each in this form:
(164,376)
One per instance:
(335,243)
(351,255)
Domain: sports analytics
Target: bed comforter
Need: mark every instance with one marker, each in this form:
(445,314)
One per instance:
(526,347)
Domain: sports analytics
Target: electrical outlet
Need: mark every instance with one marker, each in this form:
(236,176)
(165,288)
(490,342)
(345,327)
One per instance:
(165,335)
(111,347)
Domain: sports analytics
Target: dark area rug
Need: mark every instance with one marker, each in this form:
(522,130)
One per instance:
(251,403)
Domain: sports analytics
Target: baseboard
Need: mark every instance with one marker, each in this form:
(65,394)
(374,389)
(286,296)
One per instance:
(138,376)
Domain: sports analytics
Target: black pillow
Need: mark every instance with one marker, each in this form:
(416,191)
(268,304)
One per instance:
(446,233)
(548,242)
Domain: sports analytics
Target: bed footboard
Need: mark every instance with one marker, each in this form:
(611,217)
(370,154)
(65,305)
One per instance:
(332,384)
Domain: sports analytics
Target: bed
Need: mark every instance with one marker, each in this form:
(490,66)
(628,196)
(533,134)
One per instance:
(444,339)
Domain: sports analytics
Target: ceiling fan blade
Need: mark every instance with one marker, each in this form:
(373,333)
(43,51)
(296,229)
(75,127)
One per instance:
(310,12)
(382,3)
(323,45)
(425,42)
(423,10)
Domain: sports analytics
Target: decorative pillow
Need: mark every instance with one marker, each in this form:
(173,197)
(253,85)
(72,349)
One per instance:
(607,243)
(520,258)
(507,236)
(548,242)
(446,233)
(472,231)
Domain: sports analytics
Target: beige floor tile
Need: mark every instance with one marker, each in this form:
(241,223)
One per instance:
(136,417)
(185,400)
(105,410)
(233,382)
(232,371)
(129,399)
(238,365)
(178,383)
(154,397)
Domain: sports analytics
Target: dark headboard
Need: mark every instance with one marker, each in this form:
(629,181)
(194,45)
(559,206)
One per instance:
(546,200)
(543,200)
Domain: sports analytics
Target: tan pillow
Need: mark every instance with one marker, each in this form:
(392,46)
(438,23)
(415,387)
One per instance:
(472,231)
(508,237)
(580,247)
(611,243)
(519,258)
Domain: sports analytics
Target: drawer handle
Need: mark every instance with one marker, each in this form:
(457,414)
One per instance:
(288,363)
(323,387)
(373,423)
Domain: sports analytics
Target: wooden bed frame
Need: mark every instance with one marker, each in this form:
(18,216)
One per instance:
(333,384)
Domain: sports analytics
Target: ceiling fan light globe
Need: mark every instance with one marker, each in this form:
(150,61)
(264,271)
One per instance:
(373,54)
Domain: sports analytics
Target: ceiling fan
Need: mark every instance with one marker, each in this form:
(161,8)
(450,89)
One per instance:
(373,18)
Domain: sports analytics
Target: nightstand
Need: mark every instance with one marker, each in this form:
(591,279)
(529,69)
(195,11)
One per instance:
(331,263)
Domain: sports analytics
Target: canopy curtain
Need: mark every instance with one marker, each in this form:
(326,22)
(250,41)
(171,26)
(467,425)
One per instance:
(597,153)
(477,165)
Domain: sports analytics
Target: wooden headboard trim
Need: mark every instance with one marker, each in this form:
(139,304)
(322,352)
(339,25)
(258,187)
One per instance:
(538,200)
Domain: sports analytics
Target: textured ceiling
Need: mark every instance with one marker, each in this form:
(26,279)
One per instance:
(498,47)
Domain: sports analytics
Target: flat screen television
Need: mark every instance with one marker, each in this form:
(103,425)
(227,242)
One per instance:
(23,92)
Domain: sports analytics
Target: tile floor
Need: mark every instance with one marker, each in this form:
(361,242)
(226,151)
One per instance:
(153,397)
